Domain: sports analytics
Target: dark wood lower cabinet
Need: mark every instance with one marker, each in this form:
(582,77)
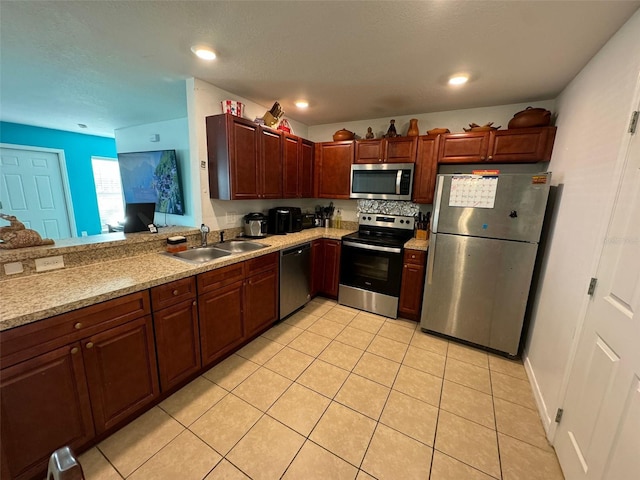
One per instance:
(221,328)
(121,371)
(413,273)
(260,301)
(331,267)
(45,405)
(177,343)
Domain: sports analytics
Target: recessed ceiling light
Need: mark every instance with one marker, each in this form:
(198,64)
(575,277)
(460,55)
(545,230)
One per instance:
(458,79)
(302,104)
(203,52)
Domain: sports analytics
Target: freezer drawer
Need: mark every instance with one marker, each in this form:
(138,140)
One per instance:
(476,289)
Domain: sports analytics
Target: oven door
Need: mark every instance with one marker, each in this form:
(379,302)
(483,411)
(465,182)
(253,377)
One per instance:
(371,267)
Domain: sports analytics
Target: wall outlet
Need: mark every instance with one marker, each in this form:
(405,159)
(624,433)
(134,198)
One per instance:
(49,263)
(203,164)
(232,218)
(13,268)
(83,233)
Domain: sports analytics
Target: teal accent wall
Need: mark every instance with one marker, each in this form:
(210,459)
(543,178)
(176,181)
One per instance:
(78,150)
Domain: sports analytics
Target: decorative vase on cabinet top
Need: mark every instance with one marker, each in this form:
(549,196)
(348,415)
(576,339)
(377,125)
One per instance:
(413,131)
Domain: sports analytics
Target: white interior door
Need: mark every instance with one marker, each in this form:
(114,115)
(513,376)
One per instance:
(32,189)
(599,435)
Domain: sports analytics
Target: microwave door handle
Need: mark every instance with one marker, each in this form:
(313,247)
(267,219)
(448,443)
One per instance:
(398,180)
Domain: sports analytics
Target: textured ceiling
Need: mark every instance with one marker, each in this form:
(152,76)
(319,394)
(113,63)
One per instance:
(113,64)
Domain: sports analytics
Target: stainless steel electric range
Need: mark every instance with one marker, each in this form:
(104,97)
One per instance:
(371,263)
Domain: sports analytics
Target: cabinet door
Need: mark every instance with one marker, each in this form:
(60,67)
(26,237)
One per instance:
(121,371)
(369,151)
(305,169)
(221,326)
(400,149)
(469,147)
(243,161)
(525,145)
(177,342)
(45,405)
(334,161)
(424,180)
(270,164)
(290,165)
(317,266)
(411,291)
(332,267)
(260,301)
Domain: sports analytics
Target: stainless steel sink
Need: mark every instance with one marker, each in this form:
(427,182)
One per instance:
(201,254)
(240,246)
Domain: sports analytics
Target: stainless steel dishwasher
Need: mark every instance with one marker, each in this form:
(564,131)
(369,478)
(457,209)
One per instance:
(295,278)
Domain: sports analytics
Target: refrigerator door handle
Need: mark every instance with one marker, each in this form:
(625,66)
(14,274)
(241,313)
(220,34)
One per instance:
(436,204)
(431,257)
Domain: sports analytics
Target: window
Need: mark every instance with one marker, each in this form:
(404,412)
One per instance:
(106,174)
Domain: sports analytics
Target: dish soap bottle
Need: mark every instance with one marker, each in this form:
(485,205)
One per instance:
(337,221)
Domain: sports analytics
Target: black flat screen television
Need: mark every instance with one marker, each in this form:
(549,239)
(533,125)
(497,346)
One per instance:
(138,216)
(152,177)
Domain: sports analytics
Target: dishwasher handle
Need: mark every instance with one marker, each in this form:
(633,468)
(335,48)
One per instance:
(299,250)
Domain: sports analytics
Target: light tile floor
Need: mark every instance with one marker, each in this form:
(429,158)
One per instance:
(335,393)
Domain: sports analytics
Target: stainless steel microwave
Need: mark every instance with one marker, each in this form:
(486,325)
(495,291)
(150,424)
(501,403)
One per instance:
(382,181)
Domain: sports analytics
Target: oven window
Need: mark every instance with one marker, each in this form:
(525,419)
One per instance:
(373,268)
(374,181)
(370,270)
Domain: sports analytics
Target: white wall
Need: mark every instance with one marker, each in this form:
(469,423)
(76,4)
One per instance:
(454,120)
(593,115)
(173,134)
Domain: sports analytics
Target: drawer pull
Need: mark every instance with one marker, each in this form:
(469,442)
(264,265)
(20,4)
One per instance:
(175,292)
(78,326)
(89,345)
(74,350)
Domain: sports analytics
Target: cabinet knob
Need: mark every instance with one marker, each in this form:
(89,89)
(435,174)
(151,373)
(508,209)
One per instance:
(74,350)
(490,157)
(194,303)
(78,326)
(175,292)
(482,159)
(89,345)
(413,256)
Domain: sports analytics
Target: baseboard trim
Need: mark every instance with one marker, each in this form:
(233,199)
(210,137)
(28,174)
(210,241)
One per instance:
(548,423)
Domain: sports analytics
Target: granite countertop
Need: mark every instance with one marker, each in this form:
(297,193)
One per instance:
(35,297)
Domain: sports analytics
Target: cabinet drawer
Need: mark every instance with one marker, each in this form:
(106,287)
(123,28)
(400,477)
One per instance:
(220,277)
(172,293)
(416,257)
(260,264)
(24,342)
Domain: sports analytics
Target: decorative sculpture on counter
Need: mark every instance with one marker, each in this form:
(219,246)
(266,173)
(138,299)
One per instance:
(391,132)
(15,235)
(369,134)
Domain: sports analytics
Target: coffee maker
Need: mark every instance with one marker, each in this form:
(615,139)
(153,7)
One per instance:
(284,220)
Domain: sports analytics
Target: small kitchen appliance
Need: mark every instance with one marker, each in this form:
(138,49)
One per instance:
(284,220)
(371,263)
(255,225)
(482,249)
(382,181)
(308,220)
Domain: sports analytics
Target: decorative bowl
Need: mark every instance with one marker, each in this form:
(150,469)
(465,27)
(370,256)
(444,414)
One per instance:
(438,131)
(343,134)
(474,127)
(530,117)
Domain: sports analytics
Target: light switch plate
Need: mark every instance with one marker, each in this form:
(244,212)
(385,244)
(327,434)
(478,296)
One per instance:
(49,263)
(13,268)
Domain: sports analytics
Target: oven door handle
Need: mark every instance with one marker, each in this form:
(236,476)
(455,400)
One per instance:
(376,248)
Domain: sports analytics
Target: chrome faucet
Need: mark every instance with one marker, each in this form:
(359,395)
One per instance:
(203,232)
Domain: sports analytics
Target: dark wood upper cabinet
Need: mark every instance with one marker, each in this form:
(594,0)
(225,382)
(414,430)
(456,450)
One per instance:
(424,178)
(333,169)
(521,145)
(386,150)
(245,159)
(297,167)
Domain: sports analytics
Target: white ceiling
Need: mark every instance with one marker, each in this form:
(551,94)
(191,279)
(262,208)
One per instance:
(113,64)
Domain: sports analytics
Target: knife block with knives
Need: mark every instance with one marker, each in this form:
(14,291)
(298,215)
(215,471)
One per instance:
(422,226)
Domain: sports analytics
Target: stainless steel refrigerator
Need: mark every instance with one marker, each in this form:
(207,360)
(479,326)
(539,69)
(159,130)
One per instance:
(482,250)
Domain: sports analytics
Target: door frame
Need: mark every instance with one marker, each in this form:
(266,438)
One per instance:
(62,164)
(621,158)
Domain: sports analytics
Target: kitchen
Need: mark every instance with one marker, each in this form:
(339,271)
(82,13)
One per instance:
(575,165)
